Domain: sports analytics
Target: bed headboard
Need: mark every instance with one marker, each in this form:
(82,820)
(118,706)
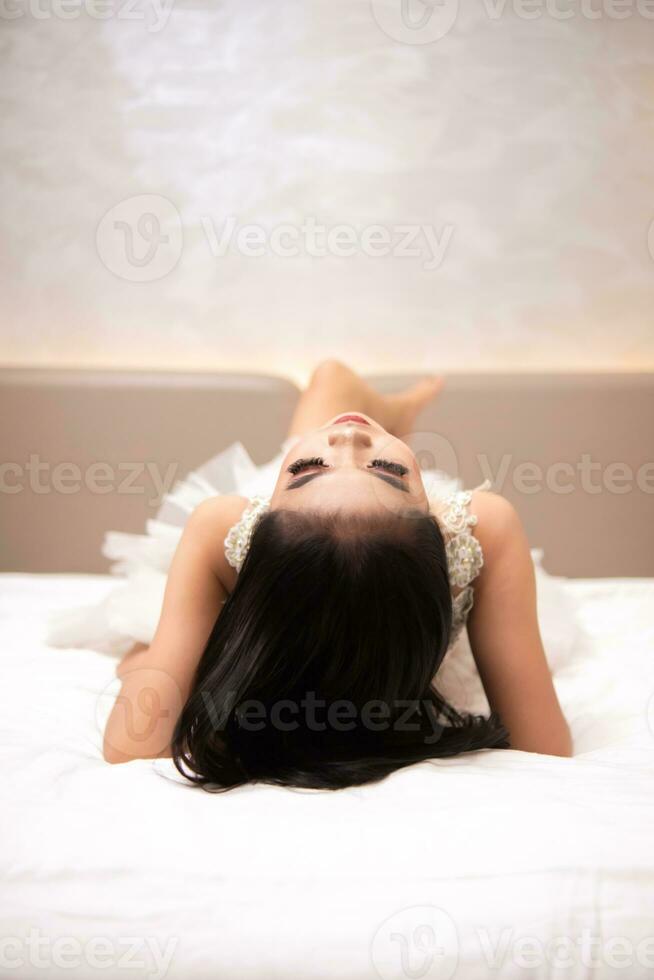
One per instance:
(86,450)
(146,427)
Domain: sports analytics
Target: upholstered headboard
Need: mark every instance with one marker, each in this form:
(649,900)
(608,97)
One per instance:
(146,428)
(84,451)
(573,452)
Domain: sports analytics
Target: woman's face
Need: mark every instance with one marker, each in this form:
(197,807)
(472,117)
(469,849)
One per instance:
(350,464)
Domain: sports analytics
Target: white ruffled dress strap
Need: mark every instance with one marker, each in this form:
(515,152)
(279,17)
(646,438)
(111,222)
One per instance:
(464,554)
(237,540)
(465,558)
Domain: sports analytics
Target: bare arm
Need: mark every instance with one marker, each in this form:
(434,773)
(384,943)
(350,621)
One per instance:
(156,681)
(504,634)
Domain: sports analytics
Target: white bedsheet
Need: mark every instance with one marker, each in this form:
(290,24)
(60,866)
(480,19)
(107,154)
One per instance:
(461,868)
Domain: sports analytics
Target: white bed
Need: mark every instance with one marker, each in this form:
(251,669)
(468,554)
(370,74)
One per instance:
(462,868)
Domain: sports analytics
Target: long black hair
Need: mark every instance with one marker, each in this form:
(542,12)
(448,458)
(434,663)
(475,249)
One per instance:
(319,671)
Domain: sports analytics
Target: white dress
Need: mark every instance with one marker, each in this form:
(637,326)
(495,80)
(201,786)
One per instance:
(130,611)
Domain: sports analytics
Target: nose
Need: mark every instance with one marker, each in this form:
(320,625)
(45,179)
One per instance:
(355,436)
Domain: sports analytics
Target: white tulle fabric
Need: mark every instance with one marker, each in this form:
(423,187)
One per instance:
(130,612)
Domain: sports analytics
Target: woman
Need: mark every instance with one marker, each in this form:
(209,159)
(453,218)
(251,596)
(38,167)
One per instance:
(300,634)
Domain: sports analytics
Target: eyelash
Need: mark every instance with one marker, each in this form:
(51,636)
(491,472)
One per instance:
(305,464)
(316,461)
(384,464)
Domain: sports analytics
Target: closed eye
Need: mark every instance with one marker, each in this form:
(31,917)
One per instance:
(305,470)
(305,464)
(384,464)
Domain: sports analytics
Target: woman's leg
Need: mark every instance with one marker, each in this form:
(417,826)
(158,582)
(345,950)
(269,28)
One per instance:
(335,388)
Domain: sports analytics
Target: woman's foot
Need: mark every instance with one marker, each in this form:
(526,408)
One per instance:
(403,407)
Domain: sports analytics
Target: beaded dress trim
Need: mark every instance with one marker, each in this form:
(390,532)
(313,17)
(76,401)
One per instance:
(465,558)
(238,537)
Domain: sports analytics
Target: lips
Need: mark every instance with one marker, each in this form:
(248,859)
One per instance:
(351,418)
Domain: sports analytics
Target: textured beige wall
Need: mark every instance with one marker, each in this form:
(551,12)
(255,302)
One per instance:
(514,142)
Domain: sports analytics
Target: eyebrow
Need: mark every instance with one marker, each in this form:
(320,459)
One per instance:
(386,477)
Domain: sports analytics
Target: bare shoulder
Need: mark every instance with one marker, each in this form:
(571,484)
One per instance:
(208,526)
(225,509)
(498,522)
